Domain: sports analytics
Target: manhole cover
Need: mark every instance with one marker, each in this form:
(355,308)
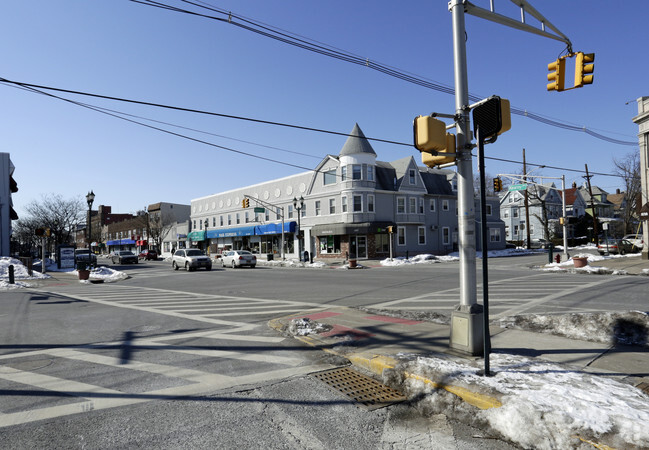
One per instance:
(644,387)
(362,389)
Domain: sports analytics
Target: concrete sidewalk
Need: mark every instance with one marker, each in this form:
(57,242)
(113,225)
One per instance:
(377,343)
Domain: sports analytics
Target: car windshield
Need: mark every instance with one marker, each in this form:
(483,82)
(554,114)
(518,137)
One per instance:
(126,253)
(194,253)
(244,252)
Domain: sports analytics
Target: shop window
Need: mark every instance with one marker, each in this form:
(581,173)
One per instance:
(401,235)
(329,244)
(358,203)
(382,243)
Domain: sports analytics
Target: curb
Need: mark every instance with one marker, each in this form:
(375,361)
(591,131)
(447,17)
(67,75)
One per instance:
(378,364)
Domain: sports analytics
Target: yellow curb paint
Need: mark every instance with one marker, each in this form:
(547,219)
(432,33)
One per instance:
(481,401)
(595,444)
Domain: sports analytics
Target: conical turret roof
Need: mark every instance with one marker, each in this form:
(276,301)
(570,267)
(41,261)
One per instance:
(356,143)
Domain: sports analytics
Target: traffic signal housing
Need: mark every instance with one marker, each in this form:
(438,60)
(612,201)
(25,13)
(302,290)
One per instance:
(442,156)
(245,203)
(557,74)
(583,67)
(498,184)
(430,134)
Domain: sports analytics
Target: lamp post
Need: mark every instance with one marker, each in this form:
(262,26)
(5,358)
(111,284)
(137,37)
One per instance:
(90,198)
(207,243)
(298,205)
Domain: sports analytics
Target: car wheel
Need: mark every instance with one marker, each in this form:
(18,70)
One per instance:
(222,263)
(252,266)
(174,265)
(187,267)
(208,267)
(622,251)
(234,266)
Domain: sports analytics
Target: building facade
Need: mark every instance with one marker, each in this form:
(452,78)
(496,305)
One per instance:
(642,119)
(343,209)
(7,187)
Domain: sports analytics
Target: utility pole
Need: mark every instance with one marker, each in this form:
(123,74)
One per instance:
(467,318)
(527,203)
(592,206)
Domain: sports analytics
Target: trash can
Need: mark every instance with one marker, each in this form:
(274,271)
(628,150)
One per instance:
(352,263)
(269,257)
(306,256)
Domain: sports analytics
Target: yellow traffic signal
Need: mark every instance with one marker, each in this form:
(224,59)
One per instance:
(505,116)
(442,156)
(498,184)
(557,74)
(430,134)
(245,203)
(582,67)
(390,229)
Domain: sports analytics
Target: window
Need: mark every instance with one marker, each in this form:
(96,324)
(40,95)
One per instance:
(506,214)
(332,206)
(267,215)
(356,172)
(358,203)
(317,207)
(401,205)
(303,210)
(494,234)
(290,211)
(445,205)
(515,212)
(515,230)
(421,205)
(422,235)
(433,205)
(412,203)
(329,177)
(343,201)
(370,173)
(329,244)
(412,176)
(193,227)
(401,235)
(343,173)
(278,213)
(370,203)
(446,235)
(229,219)
(382,242)
(531,228)
(247,217)
(488,210)
(221,220)
(238,219)
(213,221)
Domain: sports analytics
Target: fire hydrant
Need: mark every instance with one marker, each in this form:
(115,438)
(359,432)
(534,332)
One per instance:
(557,258)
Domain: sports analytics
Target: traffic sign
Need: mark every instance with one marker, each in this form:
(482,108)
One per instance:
(259,210)
(517,187)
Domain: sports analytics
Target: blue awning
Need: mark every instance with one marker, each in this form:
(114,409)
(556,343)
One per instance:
(270,228)
(121,242)
(275,228)
(231,232)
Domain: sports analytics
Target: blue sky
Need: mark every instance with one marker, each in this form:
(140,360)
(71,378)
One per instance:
(124,49)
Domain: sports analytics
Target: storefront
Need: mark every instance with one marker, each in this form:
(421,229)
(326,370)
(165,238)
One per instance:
(361,241)
(121,244)
(259,239)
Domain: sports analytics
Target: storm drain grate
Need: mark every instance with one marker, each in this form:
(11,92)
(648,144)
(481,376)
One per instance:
(362,389)
(644,387)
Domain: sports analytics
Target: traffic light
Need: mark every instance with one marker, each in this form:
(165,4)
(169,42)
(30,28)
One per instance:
(557,74)
(491,118)
(390,229)
(582,67)
(498,184)
(442,156)
(245,203)
(430,134)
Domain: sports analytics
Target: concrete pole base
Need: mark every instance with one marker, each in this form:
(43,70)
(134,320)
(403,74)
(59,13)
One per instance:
(466,329)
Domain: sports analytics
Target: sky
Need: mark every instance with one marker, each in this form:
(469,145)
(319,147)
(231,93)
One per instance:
(125,49)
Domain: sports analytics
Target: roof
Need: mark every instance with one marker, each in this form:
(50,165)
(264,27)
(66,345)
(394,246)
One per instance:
(356,143)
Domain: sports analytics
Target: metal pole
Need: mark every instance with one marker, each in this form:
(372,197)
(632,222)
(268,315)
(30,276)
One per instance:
(485,255)
(283,253)
(527,204)
(43,265)
(565,219)
(466,319)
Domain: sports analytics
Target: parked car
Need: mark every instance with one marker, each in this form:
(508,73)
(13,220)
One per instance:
(123,257)
(619,246)
(148,255)
(636,239)
(539,243)
(238,258)
(190,259)
(84,255)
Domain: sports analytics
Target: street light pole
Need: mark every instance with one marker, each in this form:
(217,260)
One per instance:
(207,242)
(90,198)
(299,227)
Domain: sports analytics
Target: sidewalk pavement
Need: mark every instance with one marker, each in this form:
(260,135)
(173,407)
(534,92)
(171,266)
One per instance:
(375,343)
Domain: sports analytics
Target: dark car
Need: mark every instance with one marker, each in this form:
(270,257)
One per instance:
(190,259)
(619,246)
(123,257)
(148,255)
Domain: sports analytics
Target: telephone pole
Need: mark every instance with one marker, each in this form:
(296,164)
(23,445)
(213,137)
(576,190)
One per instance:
(592,206)
(527,204)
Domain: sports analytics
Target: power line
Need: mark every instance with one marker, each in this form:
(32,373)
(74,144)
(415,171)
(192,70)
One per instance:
(326,50)
(38,89)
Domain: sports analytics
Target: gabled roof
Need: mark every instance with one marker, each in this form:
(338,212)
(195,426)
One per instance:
(356,143)
(436,183)
(571,195)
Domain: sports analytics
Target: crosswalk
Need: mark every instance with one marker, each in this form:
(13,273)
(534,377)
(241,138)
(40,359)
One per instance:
(529,293)
(212,308)
(38,384)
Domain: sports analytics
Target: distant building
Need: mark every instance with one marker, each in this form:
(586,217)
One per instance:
(545,207)
(8,186)
(642,119)
(350,202)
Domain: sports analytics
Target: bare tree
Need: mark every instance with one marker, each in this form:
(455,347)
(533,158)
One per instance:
(628,168)
(158,227)
(61,216)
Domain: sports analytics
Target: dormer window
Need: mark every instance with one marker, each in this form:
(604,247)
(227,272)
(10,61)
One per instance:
(412,176)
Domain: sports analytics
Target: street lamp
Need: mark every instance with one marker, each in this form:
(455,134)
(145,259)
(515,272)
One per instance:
(90,198)
(207,243)
(299,228)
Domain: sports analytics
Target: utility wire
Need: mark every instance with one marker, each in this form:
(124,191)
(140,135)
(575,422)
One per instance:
(323,49)
(38,89)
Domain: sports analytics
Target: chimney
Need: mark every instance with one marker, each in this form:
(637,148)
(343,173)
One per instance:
(617,191)
(574,184)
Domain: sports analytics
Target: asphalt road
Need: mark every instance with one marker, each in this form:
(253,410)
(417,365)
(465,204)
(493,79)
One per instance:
(171,359)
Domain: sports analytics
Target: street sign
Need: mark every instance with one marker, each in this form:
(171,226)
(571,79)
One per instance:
(518,187)
(259,210)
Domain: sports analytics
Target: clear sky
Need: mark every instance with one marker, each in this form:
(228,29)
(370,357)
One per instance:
(124,49)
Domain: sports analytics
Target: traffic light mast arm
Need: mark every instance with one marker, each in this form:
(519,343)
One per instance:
(266,205)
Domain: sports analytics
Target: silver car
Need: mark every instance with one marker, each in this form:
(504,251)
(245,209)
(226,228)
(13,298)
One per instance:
(238,258)
(190,259)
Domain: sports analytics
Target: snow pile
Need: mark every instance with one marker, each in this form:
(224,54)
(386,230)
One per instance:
(105,274)
(293,263)
(305,326)
(629,328)
(544,405)
(20,271)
